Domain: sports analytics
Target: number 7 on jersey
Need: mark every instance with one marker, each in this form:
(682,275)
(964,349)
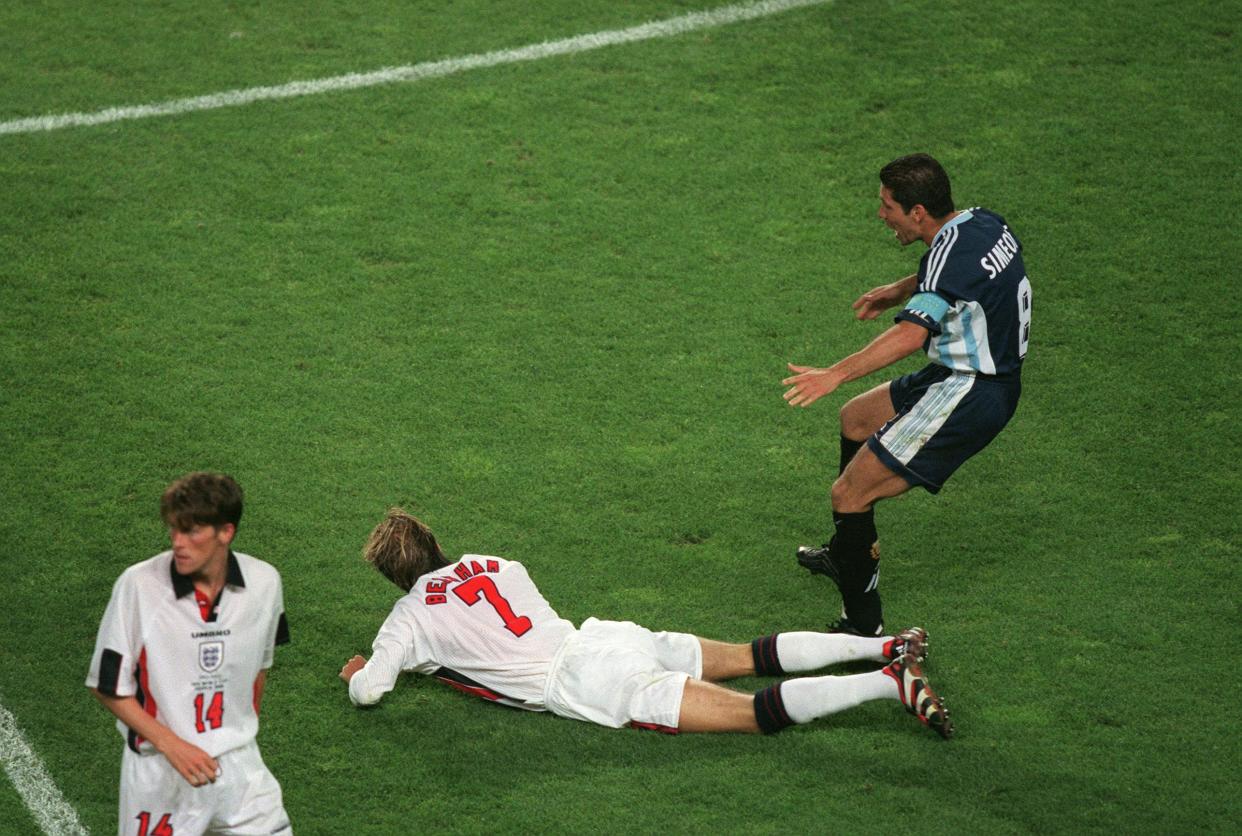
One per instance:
(469,591)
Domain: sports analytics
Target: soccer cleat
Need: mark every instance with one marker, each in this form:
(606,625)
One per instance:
(912,641)
(817,560)
(849,628)
(918,697)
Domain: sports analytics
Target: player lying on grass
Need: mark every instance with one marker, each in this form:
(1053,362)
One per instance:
(482,626)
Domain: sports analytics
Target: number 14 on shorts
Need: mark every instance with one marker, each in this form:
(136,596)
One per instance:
(162,827)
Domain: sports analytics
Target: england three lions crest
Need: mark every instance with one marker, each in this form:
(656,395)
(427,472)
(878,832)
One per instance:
(211,656)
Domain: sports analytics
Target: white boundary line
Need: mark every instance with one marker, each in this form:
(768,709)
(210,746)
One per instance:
(415,72)
(33,784)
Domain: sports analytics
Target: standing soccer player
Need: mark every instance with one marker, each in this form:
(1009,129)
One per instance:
(969,308)
(181,660)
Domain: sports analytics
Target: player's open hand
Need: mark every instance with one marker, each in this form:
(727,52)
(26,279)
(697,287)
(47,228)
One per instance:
(877,300)
(352,667)
(809,384)
(195,765)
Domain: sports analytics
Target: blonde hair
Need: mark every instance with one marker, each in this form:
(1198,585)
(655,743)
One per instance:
(402,548)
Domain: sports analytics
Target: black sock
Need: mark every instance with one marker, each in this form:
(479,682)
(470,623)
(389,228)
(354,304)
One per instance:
(854,532)
(770,710)
(766,661)
(849,447)
(868,614)
(853,547)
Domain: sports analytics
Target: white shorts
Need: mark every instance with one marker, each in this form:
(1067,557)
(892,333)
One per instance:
(616,673)
(245,799)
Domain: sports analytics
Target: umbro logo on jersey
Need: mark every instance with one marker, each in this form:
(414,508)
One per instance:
(210,656)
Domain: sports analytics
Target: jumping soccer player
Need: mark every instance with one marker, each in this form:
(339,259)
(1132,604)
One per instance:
(969,308)
(480,625)
(181,660)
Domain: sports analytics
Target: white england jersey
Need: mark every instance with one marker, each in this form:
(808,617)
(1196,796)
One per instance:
(479,624)
(190,662)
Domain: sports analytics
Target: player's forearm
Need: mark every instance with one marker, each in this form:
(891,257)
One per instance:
(375,678)
(129,712)
(897,343)
(907,286)
(366,689)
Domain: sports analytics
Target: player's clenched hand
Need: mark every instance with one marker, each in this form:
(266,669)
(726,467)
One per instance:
(195,765)
(878,299)
(809,384)
(352,667)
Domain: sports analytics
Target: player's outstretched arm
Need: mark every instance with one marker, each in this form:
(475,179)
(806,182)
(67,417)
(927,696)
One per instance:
(196,766)
(810,384)
(879,299)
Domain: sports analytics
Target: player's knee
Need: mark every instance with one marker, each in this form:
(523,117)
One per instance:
(840,494)
(849,419)
(856,421)
(847,498)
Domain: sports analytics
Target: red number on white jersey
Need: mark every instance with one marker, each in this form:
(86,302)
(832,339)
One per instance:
(215,712)
(470,590)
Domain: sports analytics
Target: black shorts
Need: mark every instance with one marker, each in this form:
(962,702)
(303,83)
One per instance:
(943,418)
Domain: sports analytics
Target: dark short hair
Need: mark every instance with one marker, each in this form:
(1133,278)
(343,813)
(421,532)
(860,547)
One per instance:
(201,499)
(403,549)
(918,178)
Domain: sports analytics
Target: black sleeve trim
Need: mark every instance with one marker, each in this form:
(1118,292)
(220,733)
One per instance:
(908,315)
(109,672)
(282,630)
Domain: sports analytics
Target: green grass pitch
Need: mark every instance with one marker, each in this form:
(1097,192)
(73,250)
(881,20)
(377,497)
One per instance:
(548,306)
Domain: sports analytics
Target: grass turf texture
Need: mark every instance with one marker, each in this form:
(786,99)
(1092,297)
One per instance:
(548,307)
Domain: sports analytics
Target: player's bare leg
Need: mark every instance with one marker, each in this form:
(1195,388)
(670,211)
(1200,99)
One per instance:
(706,707)
(863,414)
(865,481)
(726,661)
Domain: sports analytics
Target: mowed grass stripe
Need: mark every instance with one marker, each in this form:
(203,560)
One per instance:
(415,72)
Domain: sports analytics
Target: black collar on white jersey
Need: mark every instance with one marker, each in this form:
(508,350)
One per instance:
(183,584)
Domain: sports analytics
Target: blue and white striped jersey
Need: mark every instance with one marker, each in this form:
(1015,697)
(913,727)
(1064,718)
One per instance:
(973,296)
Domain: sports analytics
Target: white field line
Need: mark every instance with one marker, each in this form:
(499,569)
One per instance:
(33,784)
(415,72)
